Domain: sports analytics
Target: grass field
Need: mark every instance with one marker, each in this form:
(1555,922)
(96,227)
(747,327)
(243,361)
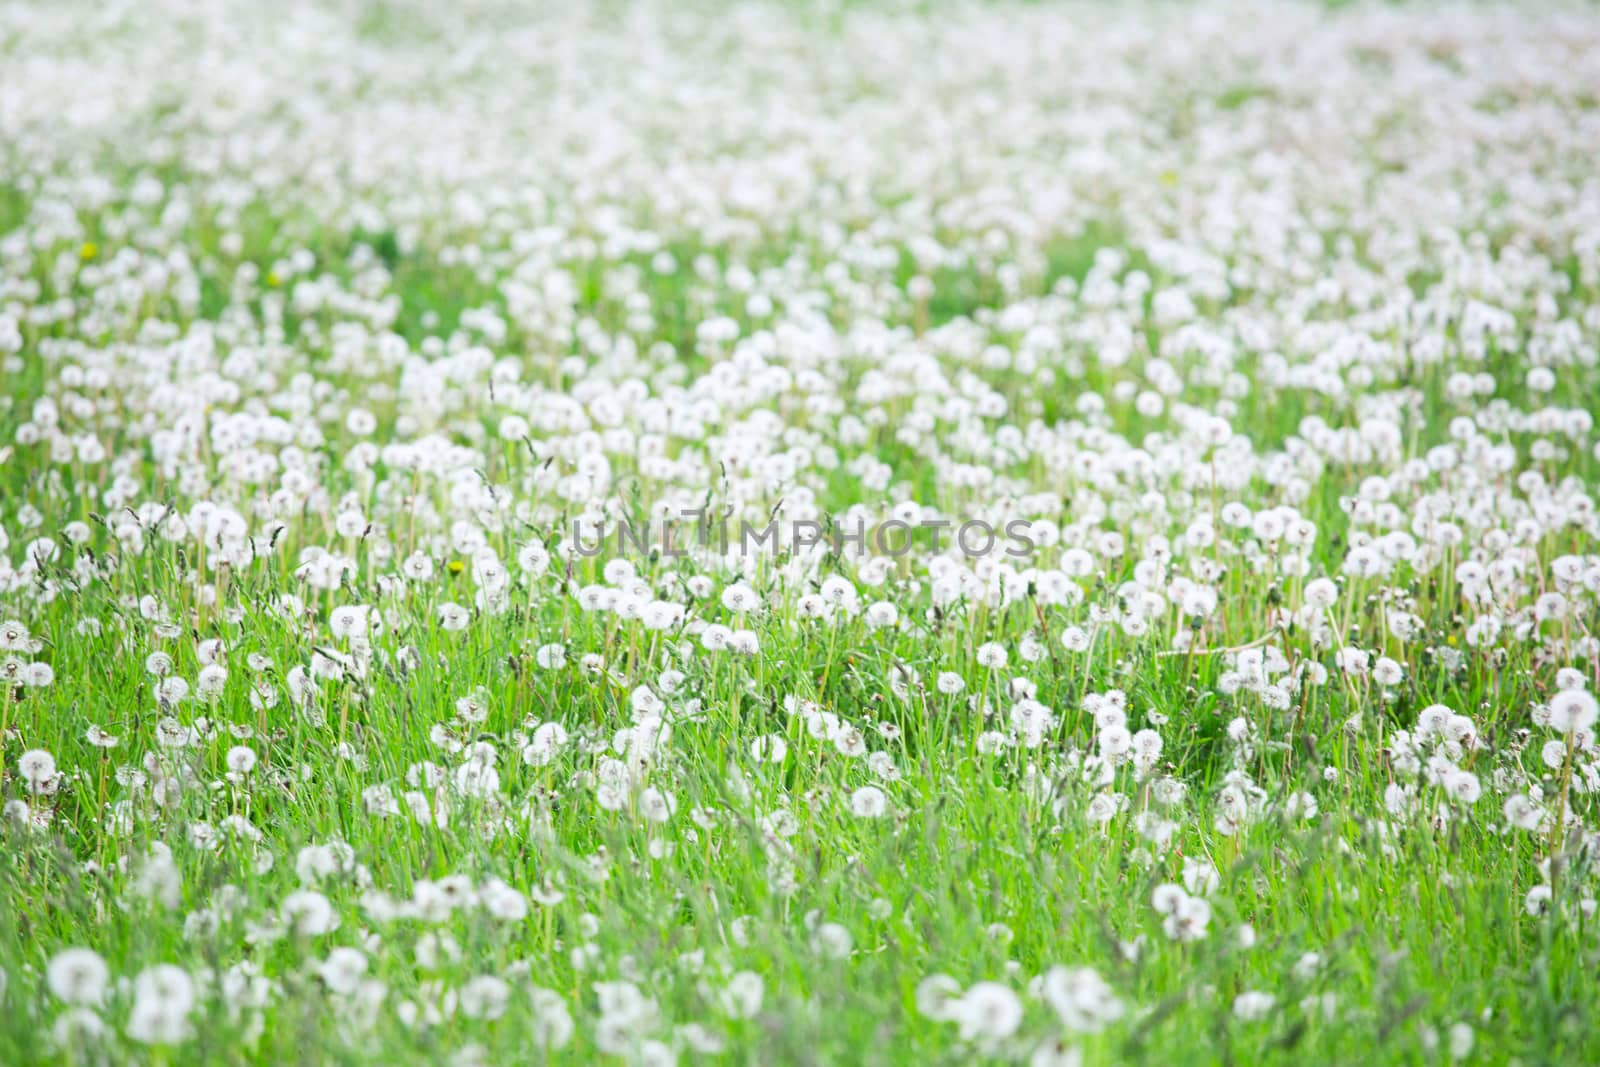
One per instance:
(358,706)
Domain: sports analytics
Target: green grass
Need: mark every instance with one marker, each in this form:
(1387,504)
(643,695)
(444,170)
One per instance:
(1381,925)
(1424,928)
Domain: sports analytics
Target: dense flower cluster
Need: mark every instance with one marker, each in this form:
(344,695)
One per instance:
(326,331)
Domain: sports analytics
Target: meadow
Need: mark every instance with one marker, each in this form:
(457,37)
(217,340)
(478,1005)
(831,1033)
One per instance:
(339,342)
